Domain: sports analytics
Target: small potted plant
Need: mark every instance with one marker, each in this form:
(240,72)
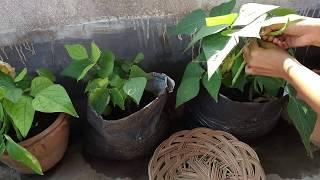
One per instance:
(125,103)
(224,97)
(31,139)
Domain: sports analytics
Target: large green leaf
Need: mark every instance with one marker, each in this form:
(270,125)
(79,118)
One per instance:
(76,68)
(190,83)
(272,86)
(139,57)
(221,20)
(38,84)
(95,52)
(212,85)
(77,51)
(8,87)
(190,23)
(96,84)
(116,81)
(25,83)
(303,117)
(21,75)
(44,72)
(223,9)
(136,71)
(21,113)
(134,88)
(282,11)
(106,64)
(216,48)
(117,98)
(54,99)
(23,156)
(251,11)
(99,99)
(206,31)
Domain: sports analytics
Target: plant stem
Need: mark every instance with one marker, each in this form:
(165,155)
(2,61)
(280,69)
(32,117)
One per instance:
(236,77)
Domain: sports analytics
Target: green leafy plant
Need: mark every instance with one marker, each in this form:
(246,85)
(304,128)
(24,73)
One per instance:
(221,36)
(21,97)
(112,82)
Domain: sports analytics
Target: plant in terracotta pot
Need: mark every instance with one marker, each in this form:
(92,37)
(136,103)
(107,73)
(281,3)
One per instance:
(31,142)
(125,103)
(224,97)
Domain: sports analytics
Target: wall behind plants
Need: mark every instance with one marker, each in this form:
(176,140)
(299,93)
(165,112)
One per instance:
(32,32)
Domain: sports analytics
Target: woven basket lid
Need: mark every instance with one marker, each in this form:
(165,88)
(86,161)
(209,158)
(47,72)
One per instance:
(204,154)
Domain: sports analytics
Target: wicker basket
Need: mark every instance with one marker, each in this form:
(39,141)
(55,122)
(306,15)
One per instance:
(204,154)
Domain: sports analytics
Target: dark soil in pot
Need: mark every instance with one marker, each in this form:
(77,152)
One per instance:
(40,123)
(131,107)
(246,120)
(127,136)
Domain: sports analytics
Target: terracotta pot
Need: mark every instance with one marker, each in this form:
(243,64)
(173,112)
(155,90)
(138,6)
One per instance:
(48,147)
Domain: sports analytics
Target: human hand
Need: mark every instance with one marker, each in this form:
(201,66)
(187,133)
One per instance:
(269,61)
(297,34)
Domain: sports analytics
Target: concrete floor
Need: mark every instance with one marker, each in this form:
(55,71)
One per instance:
(281,152)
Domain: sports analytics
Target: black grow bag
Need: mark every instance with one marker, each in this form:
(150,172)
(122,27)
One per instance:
(246,120)
(135,135)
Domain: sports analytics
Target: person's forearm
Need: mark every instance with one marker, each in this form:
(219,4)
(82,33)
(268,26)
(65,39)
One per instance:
(306,82)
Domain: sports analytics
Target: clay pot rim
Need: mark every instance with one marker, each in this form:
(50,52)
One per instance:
(30,141)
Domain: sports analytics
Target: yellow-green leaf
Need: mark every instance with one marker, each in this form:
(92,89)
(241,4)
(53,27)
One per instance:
(221,20)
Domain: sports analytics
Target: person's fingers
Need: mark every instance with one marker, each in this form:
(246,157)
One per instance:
(246,53)
(270,38)
(253,44)
(249,70)
(268,29)
(295,41)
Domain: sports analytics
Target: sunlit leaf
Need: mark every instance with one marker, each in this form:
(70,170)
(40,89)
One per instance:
(221,20)
(134,88)
(77,51)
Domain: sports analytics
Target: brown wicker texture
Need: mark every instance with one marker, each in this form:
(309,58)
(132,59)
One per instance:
(204,154)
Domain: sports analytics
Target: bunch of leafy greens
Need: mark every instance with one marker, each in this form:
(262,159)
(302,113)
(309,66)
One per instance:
(20,98)
(110,79)
(221,36)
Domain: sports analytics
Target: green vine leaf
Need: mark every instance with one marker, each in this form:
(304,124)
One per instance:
(76,68)
(106,64)
(38,84)
(44,72)
(189,24)
(134,88)
(136,71)
(223,9)
(95,52)
(212,85)
(117,98)
(204,32)
(23,156)
(21,113)
(99,99)
(190,83)
(303,117)
(21,75)
(77,51)
(139,57)
(282,11)
(54,99)
(96,84)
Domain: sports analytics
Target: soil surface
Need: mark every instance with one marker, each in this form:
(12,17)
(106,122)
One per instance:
(131,107)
